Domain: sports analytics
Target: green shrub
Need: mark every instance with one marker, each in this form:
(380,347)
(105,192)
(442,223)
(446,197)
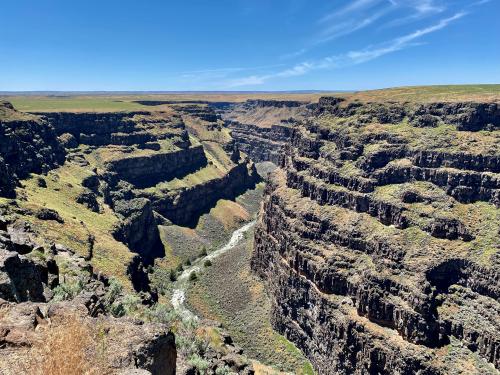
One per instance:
(131,303)
(110,299)
(225,370)
(193,276)
(162,279)
(117,310)
(207,263)
(188,262)
(66,291)
(160,313)
(180,268)
(203,252)
(199,363)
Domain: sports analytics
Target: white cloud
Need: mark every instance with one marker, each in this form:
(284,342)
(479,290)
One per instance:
(349,58)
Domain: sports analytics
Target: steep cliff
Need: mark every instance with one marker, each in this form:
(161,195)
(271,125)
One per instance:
(261,128)
(378,238)
(28,144)
(261,144)
(171,164)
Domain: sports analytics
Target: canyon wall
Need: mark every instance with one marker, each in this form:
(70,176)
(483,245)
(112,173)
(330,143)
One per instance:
(28,144)
(261,128)
(378,238)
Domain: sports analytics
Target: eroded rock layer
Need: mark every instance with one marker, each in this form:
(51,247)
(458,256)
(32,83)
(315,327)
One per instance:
(261,128)
(379,238)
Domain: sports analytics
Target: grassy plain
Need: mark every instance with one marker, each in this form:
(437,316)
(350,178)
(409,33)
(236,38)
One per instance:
(446,93)
(112,103)
(109,102)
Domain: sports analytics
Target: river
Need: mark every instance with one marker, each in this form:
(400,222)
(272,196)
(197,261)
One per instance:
(181,285)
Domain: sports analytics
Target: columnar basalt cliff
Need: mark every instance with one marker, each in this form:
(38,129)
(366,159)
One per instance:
(378,238)
(261,144)
(261,128)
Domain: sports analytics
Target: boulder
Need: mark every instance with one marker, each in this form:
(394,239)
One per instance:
(49,214)
(89,200)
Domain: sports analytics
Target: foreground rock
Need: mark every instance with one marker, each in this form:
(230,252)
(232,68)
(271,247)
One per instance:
(41,310)
(126,344)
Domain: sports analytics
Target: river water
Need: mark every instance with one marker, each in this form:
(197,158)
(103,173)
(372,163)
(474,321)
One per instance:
(181,285)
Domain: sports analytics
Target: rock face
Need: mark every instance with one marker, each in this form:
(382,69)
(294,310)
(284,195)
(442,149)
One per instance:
(146,171)
(28,144)
(378,238)
(26,274)
(261,128)
(138,228)
(261,144)
(186,205)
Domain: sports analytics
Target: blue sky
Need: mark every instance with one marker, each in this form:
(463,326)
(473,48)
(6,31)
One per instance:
(247,45)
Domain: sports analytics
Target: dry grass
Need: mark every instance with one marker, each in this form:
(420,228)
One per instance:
(230,214)
(70,348)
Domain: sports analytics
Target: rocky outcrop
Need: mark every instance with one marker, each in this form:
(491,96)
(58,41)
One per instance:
(45,288)
(184,206)
(261,144)
(148,170)
(129,345)
(466,116)
(138,229)
(374,242)
(89,200)
(26,272)
(28,144)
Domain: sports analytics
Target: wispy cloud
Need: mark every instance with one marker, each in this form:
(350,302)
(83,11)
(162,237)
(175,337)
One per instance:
(349,58)
(419,9)
(348,27)
(354,6)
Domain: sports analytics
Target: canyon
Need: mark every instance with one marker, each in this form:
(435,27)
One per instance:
(375,247)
